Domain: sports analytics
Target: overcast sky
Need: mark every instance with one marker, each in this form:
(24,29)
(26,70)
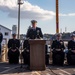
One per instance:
(41,10)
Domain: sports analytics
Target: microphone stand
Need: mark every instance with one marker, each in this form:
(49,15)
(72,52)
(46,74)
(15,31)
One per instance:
(21,55)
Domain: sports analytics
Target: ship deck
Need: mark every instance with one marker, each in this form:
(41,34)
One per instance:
(8,69)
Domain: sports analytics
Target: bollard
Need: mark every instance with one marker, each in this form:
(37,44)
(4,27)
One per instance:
(4,53)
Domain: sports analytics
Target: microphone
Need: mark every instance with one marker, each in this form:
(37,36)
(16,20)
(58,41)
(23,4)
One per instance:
(38,36)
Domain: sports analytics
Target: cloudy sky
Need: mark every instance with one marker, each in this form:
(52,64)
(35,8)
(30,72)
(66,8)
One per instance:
(41,10)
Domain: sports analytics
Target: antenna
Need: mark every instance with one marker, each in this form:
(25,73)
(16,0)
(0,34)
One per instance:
(61,30)
(65,29)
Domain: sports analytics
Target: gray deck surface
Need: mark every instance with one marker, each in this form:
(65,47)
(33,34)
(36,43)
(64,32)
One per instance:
(7,69)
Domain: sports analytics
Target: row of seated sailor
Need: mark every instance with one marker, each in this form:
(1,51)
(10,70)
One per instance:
(57,47)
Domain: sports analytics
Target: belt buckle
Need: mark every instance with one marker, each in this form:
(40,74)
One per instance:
(58,49)
(13,50)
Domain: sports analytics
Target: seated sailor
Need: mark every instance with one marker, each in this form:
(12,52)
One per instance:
(57,53)
(13,50)
(71,52)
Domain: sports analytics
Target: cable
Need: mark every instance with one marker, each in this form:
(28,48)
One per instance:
(52,71)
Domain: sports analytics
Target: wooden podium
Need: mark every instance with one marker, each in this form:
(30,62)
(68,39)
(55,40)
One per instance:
(37,54)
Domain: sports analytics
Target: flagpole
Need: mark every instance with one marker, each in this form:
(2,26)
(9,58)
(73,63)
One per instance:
(19,4)
(57,16)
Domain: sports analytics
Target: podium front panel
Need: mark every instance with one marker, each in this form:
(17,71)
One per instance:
(37,54)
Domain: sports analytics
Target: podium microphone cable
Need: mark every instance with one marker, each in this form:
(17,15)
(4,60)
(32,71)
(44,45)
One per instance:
(21,48)
(52,71)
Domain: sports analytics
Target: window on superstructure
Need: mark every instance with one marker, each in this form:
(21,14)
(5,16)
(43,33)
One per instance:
(6,33)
